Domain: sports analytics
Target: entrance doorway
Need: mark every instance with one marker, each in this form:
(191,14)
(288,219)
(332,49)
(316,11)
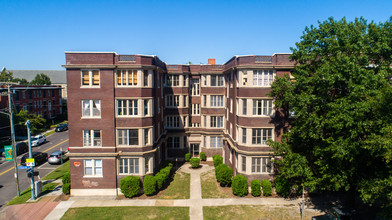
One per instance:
(195,149)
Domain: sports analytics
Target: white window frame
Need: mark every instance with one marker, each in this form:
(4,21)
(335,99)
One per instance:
(216,101)
(261,165)
(135,165)
(262,107)
(216,142)
(88,136)
(133,73)
(195,109)
(123,134)
(172,101)
(263,78)
(216,121)
(90,78)
(91,103)
(173,121)
(261,135)
(94,166)
(130,104)
(172,80)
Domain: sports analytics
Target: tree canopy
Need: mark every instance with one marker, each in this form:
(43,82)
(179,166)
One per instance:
(41,79)
(340,137)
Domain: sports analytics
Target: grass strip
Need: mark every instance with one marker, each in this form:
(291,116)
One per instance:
(26,195)
(58,173)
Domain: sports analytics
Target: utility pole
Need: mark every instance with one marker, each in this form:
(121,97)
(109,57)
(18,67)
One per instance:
(13,140)
(31,156)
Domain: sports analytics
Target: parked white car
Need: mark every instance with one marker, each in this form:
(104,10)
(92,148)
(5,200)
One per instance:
(37,140)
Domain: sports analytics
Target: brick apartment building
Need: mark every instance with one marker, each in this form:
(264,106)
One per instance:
(39,100)
(128,113)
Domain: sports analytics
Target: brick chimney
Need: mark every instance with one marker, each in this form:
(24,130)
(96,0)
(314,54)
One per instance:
(211,61)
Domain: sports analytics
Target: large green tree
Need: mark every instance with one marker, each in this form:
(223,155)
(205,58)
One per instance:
(340,138)
(7,76)
(41,79)
(37,123)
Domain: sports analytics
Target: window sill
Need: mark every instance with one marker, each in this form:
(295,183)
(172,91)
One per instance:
(101,176)
(127,174)
(84,117)
(90,87)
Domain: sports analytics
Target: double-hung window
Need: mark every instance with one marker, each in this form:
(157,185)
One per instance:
(261,165)
(263,77)
(244,135)
(216,101)
(173,121)
(91,108)
(195,109)
(127,137)
(244,106)
(262,107)
(216,121)
(128,166)
(261,135)
(195,87)
(172,80)
(92,138)
(93,167)
(216,142)
(90,78)
(126,77)
(147,136)
(127,107)
(172,101)
(173,142)
(217,80)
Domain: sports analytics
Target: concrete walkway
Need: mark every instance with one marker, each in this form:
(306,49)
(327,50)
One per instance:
(195,203)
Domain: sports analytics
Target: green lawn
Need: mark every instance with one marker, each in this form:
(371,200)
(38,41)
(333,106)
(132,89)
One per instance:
(210,188)
(179,188)
(127,213)
(255,212)
(26,195)
(58,173)
(49,133)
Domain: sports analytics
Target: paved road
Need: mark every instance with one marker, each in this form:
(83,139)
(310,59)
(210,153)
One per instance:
(7,180)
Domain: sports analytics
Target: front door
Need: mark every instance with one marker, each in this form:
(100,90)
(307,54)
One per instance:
(195,149)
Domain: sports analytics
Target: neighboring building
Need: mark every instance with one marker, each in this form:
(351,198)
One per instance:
(39,100)
(57,77)
(128,113)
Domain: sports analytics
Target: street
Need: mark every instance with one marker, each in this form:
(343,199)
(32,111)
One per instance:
(7,180)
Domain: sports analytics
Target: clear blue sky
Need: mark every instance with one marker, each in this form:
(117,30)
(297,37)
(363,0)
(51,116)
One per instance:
(35,34)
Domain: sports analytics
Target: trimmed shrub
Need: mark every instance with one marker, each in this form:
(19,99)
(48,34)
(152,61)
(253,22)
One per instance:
(160,178)
(217,160)
(150,185)
(66,178)
(224,175)
(255,186)
(187,157)
(195,162)
(130,186)
(217,170)
(66,188)
(240,185)
(282,186)
(203,156)
(267,187)
(66,182)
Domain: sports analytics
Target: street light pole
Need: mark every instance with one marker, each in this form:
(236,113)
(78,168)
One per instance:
(13,141)
(31,156)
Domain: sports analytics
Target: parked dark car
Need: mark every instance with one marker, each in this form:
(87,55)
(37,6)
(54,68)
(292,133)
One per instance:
(21,148)
(55,157)
(62,127)
(38,156)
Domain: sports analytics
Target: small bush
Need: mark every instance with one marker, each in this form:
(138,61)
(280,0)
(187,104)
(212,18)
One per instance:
(282,186)
(150,185)
(217,160)
(217,171)
(66,178)
(187,157)
(240,185)
(267,187)
(66,188)
(160,178)
(203,156)
(224,175)
(195,162)
(255,186)
(130,186)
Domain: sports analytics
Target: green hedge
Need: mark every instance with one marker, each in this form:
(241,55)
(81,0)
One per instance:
(187,157)
(255,186)
(240,185)
(217,160)
(150,185)
(163,176)
(130,186)
(66,183)
(224,174)
(203,156)
(195,162)
(282,186)
(267,187)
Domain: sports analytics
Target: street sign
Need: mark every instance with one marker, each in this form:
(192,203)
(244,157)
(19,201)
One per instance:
(8,153)
(30,162)
(23,167)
